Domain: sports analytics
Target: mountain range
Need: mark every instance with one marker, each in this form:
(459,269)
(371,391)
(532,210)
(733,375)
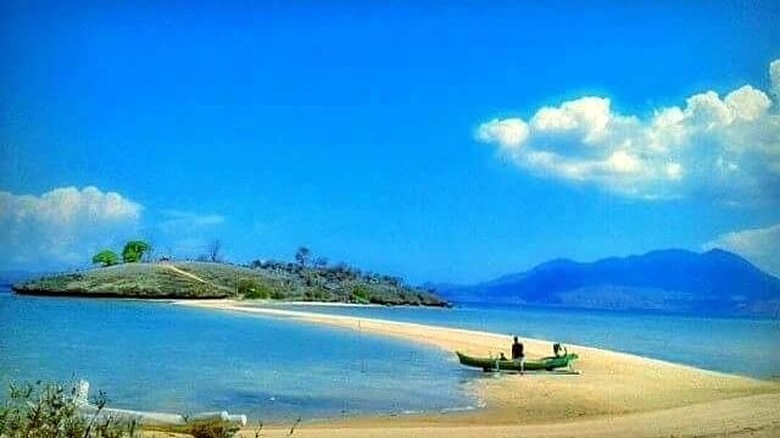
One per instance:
(10,277)
(715,282)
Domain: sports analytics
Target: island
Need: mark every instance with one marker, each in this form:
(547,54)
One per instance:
(611,394)
(270,280)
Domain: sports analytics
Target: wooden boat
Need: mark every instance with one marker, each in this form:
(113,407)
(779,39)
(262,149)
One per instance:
(495,364)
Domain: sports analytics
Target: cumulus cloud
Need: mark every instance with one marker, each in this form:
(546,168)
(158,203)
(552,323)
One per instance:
(509,132)
(726,148)
(63,226)
(774,75)
(757,245)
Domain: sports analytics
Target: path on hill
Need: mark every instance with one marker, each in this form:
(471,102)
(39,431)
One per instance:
(189,275)
(192,276)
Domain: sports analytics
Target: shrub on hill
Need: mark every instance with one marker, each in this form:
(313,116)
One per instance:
(106,258)
(134,251)
(254,290)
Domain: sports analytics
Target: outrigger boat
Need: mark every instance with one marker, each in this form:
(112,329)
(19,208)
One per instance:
(496,364)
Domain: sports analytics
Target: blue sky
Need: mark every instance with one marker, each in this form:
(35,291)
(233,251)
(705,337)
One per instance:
(440,142)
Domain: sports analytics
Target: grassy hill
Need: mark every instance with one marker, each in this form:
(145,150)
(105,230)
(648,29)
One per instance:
(272,280)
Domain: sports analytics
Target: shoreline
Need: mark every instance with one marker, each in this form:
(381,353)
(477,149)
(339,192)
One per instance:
(281,304)
(613,388)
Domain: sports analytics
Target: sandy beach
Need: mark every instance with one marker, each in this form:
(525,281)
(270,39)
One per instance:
(615,394)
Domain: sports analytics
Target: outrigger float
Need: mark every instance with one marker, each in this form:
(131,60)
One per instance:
(149,418)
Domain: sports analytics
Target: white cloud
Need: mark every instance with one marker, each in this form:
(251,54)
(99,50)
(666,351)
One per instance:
(723,148)
(774,75)
(509,133)
(757,245)
(587,118)
(63,226)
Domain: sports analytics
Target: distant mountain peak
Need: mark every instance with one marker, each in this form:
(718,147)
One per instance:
(676,280)
(721,253)
(555,263)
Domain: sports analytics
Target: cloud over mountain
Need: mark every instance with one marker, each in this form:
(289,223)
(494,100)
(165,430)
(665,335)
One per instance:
(758,245)
(722,148)
(63,226)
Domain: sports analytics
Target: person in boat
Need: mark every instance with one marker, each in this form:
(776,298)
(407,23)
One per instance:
(558,349)
(518,354)
(502,357)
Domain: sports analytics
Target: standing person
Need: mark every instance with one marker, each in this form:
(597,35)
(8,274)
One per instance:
(557,349)
(518,354)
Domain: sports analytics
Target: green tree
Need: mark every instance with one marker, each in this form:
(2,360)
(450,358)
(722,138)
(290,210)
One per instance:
(134,250)
(106,258)
(361,294)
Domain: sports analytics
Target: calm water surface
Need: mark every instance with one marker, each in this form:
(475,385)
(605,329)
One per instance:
(740,346)
(157,356)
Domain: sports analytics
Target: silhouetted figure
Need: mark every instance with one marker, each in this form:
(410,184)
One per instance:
(518,354)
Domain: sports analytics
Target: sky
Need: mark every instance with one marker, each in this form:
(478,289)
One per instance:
(438,141)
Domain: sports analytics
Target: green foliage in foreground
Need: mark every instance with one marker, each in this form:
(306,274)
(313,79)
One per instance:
(106,258)
(50,411)
(134,251)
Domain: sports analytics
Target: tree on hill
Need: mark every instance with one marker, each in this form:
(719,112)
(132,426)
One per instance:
(134,250)
(302,256)
(215,250)
(321,262)
(106,258)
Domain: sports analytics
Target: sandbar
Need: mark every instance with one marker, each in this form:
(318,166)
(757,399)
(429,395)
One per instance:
(615,394)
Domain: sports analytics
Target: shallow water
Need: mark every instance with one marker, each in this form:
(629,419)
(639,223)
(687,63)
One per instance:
(740,346)
(157,356)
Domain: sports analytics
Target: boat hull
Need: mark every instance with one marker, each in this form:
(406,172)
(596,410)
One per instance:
(491,364)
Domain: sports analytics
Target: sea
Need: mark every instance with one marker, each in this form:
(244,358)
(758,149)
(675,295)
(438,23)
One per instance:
(153,355)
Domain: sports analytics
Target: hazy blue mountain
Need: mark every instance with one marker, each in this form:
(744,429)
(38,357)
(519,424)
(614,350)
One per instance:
(7,278)
(714,282)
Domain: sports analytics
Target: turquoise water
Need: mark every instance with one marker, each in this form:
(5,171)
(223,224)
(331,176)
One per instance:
(739,346)
(157,356)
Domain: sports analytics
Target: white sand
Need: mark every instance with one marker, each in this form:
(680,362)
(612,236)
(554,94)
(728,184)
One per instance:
(616,394)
